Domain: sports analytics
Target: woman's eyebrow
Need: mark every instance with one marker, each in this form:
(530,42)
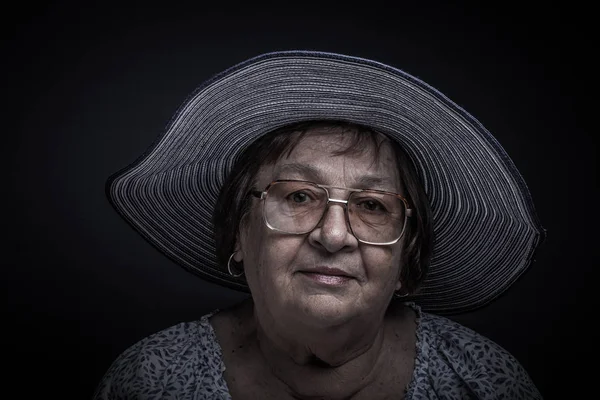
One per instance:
(377,182)
(311,173)
(306,171)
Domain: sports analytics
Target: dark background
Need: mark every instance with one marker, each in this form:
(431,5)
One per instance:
(88,87)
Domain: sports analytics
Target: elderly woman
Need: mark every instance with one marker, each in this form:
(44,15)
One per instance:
(356,204)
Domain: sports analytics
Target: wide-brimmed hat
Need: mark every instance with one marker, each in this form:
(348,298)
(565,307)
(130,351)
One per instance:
(485,225)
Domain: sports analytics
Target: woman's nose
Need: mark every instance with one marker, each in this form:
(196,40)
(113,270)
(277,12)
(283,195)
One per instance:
(333,232)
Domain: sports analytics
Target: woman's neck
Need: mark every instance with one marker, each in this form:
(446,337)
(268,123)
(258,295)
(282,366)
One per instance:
(334,362)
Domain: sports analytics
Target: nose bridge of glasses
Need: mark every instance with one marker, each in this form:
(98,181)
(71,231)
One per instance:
(339,201)
(347,193)
(333,219)
(332,201)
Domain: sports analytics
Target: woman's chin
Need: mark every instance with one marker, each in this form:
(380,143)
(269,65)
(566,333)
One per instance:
(325,309)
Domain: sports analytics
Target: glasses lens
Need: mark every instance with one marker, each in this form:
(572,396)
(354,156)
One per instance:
(294,207)
(376,217)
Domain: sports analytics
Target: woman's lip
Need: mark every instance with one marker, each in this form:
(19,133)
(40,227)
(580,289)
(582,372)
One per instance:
(327,279)
(327,271)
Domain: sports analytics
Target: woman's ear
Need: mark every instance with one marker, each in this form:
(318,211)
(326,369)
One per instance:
(238,255)
(398,285)
(240,240)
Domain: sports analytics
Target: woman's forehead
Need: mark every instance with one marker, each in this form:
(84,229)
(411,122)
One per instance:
(336,138)
(368,163)
(325,143)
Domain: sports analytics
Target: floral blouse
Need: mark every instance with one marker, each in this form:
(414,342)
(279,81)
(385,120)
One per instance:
(185,362)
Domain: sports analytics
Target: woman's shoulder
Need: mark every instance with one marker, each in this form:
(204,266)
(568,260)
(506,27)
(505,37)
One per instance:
(454,358)
(181,359)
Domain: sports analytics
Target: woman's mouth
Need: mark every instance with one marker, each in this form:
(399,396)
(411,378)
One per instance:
(327,279)
(327,275)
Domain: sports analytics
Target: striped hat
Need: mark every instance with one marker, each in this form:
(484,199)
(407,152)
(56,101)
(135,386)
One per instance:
(484,220)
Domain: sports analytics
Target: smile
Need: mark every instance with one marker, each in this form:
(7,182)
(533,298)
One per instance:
(333,280)
(327,276)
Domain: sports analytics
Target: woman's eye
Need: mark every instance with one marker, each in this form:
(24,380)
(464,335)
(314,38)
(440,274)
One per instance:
(299,197)
(371,205)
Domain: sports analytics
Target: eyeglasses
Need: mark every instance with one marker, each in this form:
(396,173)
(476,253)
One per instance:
(297,207)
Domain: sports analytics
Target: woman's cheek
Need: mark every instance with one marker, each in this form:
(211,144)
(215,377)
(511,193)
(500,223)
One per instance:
(379,261)
(278,256)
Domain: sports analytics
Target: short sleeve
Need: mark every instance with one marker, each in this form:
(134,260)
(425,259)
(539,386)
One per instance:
(181,362)
(462,364)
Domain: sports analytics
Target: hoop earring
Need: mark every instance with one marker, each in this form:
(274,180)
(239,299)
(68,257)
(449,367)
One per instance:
(229,267)
(400,296)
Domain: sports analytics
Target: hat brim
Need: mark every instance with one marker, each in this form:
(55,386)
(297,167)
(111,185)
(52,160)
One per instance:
(484,221)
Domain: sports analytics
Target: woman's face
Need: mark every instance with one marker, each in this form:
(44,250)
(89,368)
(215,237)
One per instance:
(298,275)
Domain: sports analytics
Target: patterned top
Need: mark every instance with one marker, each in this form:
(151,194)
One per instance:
(185,362)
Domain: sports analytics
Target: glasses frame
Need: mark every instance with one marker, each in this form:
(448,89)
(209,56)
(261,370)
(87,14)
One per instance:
(262,195)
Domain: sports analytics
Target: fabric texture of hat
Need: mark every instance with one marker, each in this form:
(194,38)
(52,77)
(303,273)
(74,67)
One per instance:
(484,220)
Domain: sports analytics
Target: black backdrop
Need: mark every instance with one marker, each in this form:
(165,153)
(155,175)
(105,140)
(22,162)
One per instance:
(89,87)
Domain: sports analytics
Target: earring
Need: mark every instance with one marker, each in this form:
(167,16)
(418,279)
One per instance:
(229,267)
(398,295)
